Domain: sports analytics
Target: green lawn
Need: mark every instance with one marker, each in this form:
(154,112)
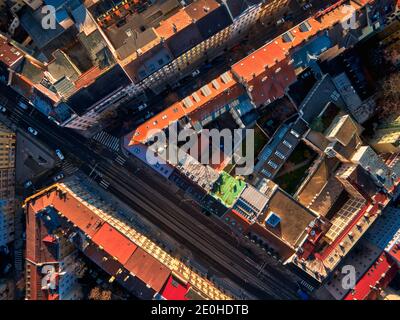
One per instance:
(227,189)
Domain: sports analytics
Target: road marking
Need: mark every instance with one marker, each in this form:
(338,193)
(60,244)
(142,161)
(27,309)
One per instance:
(107,140)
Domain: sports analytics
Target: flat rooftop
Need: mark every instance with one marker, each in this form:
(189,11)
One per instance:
(227,189)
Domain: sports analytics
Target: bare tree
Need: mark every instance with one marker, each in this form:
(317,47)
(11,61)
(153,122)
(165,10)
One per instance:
(98,294)
(389,100)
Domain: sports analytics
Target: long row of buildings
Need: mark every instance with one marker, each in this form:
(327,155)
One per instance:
(348,183)
(70,222)
(97,56)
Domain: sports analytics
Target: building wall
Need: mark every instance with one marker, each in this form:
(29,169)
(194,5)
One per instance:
(7,184)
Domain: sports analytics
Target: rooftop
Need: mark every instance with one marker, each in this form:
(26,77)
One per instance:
(110,236)
(379,274)
(9,55)
(294,218)
(227,189)
(218,92)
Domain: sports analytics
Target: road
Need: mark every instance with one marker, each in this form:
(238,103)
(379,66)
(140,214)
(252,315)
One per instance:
(209,242)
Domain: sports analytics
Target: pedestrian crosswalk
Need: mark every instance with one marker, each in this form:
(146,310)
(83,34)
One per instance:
(68,168)
(307,285)
(120,159)
(107,140)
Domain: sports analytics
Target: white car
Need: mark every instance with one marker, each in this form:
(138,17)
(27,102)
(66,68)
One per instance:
(22,105)
(3,109)
(142,107)
(32,131)
(59,154)
(280,21)
(148,115)
(195,73)
(27,184)
(58,177)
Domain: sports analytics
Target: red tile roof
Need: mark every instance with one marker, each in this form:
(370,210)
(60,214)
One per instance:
(115,243)
(173,290)
(220,92)
(9,55)
(258,70)
(378,276)
(148,269)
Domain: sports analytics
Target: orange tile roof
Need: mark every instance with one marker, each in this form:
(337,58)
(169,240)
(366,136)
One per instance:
(174,24)
(148,269)
(263,62)
(114,242)
(217,89)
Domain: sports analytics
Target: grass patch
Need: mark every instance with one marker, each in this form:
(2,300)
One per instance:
(227,189)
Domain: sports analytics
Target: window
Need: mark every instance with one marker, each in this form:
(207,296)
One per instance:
(287,144)
(266,173)
(273,164)
(280,155)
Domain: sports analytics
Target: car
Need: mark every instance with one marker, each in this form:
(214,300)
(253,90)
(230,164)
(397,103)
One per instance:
(58,177)
(142,106)
(28,184)
(22,105)
(195,73)
(148,115)
(32,131)
(280,21)
(307,6)
(59,154)
(3,109)
(7,268)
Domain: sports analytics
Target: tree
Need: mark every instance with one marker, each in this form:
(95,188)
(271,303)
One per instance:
(389,100)
(98,294)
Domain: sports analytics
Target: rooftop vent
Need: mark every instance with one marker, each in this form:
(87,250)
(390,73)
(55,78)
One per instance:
(196,97)
(288,37)
(215,84)
(272,220)
(187,102)
(226,77)
(205,91)
(305,26)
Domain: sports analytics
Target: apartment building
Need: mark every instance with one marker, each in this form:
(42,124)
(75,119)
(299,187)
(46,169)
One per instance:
(72,218)
(7,185)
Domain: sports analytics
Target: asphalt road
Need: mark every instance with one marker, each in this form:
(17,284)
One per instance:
(208,241)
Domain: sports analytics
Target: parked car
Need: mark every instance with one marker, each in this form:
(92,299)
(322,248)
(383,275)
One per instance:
(3,109)
(58,177)
(148,115)
(195,73)
(280,21)
(307,6)
(28,184)
(22,105)
(32,131)
(142,106)
(59,154)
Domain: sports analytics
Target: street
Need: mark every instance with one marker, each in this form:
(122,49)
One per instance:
(185,223)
